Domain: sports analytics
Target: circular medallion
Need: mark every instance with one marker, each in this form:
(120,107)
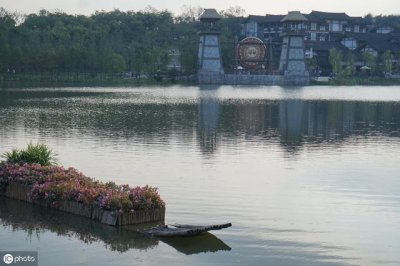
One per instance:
(251,52)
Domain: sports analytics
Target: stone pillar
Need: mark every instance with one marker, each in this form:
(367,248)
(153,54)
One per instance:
(292,62)
(210,70)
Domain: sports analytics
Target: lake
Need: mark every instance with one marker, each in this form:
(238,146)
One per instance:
(307,176)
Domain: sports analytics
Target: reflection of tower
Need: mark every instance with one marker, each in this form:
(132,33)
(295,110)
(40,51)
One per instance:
(250,118)
(291,121)
(210,69)
(292,63)
(208,121)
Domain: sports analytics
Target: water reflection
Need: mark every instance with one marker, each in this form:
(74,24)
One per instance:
(306,180)
(35,220)
(198,244)
(210,119)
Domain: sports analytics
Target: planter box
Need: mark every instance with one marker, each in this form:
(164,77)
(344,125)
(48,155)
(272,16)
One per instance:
(18,191)
(142,216)
(75,208)
(21,192)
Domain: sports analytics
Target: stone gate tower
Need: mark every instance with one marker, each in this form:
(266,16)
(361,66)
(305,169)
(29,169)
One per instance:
(210,69)
(292,63)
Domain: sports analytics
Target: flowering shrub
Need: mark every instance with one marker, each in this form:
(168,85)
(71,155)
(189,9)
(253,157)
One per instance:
(54,183)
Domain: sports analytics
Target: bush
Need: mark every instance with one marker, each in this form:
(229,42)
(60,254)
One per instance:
(34,154)
(54,183)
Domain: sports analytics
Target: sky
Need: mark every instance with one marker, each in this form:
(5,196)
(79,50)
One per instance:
(253,7)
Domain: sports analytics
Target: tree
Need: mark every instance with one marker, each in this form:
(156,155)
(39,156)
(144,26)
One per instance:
(351,65)
(189,13)
(335,59)
(114,63)
(233,11)
(370,61)
(387,60)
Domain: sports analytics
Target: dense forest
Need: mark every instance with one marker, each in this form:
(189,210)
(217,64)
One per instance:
(112,42)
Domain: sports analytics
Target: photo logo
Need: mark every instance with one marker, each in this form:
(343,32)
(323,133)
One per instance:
(8,259)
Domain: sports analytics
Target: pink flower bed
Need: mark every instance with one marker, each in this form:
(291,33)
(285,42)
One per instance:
(54,183)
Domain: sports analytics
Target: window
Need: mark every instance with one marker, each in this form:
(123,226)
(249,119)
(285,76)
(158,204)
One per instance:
(350,43)
(322,38)
(347,29)
(322,28)
(251,28)
(313,36)
(313,26)
(356,28)
(335,26)
(384,29)
(370,51)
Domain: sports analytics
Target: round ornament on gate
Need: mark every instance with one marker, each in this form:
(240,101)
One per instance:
(251,52)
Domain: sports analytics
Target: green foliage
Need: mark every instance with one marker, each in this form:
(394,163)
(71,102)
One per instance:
(103,42)
(351,65)
(387,59)
(335,59)
(114,63)
(34,153)
(370,61)
(116,41)
(389,20)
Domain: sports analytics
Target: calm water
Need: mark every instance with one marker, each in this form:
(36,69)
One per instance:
(307,176)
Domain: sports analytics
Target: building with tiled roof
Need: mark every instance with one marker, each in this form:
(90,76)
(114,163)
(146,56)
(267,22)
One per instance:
(326,30)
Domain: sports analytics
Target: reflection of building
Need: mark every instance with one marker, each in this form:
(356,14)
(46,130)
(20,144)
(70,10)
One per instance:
(250,118)
(208,117)
(291,121)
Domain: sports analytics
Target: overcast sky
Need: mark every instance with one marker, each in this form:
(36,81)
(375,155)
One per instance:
(254,7)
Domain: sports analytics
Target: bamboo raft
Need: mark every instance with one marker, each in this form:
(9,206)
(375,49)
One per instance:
(182,230)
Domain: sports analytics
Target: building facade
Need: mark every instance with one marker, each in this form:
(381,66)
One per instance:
(324,31)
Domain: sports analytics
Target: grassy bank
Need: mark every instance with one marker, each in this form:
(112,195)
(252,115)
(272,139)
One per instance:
(364,81)
(63,79)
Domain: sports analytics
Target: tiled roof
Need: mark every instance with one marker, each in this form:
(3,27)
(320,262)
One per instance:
(359,20)
(266,19)
(274,18)
(294,16)
(379,42)
(312,18)
(330,16)
(210,13)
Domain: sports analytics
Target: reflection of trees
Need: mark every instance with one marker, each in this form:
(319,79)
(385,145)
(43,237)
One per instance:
(35,219)
(293,123)
(296,122)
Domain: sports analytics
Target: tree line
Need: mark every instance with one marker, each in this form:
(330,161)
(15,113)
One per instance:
(108,42)
(115,41)
(103,42)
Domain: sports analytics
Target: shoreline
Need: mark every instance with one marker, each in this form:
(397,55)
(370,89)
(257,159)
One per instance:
(59,81)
